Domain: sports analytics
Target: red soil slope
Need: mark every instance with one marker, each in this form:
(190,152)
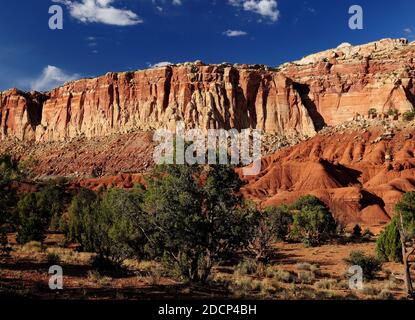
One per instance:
(360,174)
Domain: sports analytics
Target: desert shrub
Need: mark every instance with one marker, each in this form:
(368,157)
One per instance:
(306,277)
(32,247)
(81,218)
(279,274)
(246,267)
(95,277)
(313,223)
(357,231)
(370,265)
(367,235)
(303,266)
(392,112)
(409,115)
(108,226)
(53,259)
(269,287)
(268,226)
(243,286)
(388,245)
(37,210)
(103,264)
(54,199)
(370,290)
(4,242)
(33,220)
(262,236)
(406,208)
(281,220)
(326,284)
(385,294)
(8,197)
(372,112)
(195,224)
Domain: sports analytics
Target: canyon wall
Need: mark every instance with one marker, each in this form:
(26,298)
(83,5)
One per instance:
(348,81)
(298,98)
(202,96)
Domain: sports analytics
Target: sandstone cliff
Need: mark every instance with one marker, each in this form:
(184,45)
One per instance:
(348,81)
(297,98)
(208,97)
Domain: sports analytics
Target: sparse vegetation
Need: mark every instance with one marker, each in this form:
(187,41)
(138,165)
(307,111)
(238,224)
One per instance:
(393,112)
(370,265)
(4,242)
(188,223)
(313,223)
(306,277)
(357,231)
(53,259)
(247,267)
(409,115)
(372,113)
(37,211)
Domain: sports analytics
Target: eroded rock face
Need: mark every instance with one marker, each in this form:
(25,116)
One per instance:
(359,173)
(348,81)
(207,97)
(325,88)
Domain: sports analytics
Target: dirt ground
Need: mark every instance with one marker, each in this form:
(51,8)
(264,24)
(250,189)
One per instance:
(296,272)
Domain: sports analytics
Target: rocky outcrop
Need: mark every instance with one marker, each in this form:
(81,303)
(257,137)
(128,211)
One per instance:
(202,96)
(346,82)
(326,88)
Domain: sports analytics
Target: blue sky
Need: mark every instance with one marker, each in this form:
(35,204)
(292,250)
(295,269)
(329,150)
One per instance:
(119,35)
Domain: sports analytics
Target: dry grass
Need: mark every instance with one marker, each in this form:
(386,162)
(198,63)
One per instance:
(95,277)
(32,247)
(279,274)
(326,284)
(306,277)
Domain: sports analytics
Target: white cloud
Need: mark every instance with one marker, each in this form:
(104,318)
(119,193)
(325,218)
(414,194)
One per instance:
(265,8)
(160,64)
(50,78)
(234,33)
(177,2)
(408,30)
(100,11)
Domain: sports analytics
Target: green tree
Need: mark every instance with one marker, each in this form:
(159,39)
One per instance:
(81,215)
(8,197)
(196,217)
(54,199)
(281,219)
(268,226)
(37,210)
(388,245)
(109,226)
(313,223)
(406,208)
(406,214)
(32,219)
